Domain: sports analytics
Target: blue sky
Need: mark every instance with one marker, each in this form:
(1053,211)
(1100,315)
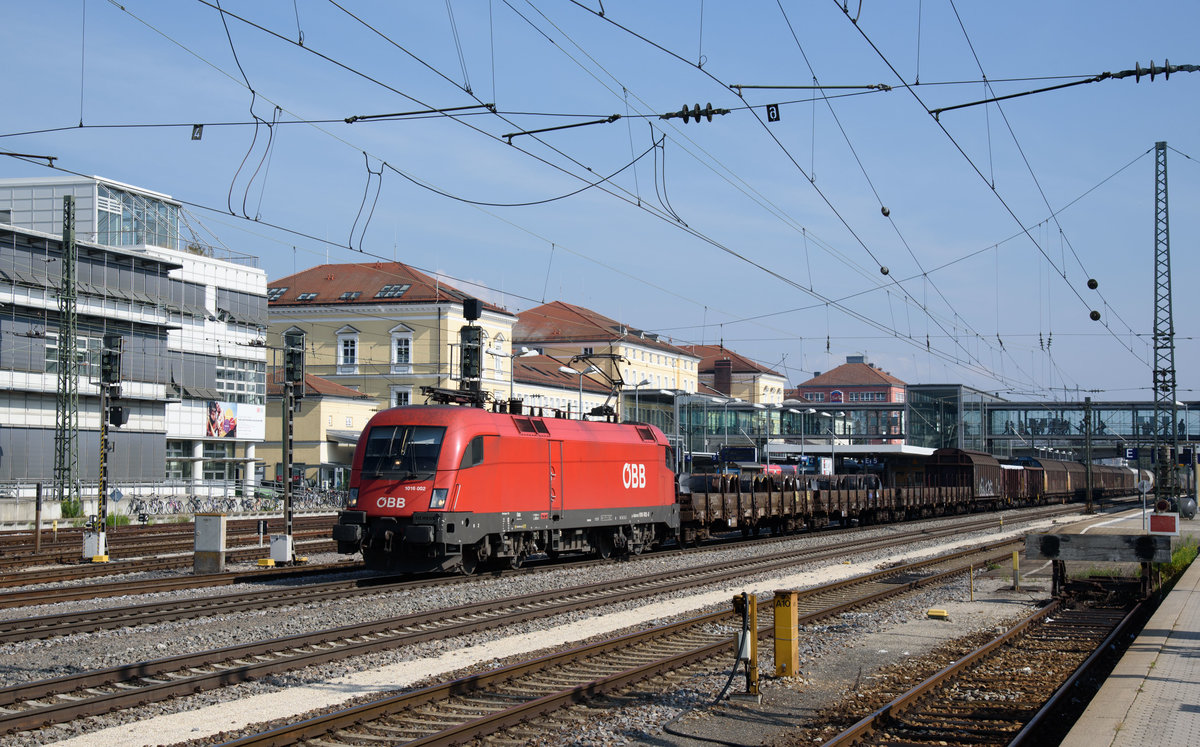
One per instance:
(769,236)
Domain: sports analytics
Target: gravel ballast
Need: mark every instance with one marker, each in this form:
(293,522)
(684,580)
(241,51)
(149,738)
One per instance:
(853,646)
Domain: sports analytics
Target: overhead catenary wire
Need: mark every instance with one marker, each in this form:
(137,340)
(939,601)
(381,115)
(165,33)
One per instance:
(859,316)
(974,166)
(783,148)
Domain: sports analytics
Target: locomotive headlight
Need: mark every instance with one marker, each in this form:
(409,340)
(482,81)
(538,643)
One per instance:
(352,501)
(439,498)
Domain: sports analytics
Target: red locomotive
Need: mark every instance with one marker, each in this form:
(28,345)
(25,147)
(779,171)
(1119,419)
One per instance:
(460,488)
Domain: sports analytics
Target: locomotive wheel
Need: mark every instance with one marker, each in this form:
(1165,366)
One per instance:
(516,561)
(470,561)
(375,560)
(604,545)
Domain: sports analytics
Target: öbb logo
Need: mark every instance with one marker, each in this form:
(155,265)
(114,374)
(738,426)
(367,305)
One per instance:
(633,476)
(391,501)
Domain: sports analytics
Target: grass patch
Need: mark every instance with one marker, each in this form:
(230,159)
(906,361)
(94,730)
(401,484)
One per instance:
(1181,557)
(117,520)
(70,509)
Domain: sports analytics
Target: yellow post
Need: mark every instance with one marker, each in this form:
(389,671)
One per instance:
(787,649)
(1016,571)
(752,665)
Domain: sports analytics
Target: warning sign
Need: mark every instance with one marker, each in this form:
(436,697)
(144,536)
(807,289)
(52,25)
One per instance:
(1166,523)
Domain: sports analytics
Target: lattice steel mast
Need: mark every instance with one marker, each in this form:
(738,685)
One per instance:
(1166,412)
(66,422)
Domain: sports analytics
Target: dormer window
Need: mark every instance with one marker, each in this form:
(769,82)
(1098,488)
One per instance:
(306,296)
(273,294)
(393,291)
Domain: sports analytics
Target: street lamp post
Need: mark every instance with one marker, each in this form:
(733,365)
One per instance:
(715,401)
(766,437)
(832,454)
(1191,475)
(512,365)
(725,418)
(570,371)
(637,413)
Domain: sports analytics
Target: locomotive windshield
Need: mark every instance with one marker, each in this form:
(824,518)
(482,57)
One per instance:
(403,452)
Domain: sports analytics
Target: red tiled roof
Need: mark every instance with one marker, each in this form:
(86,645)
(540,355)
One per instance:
(313,385)
(542,370)
(854,374)
(368,279)
(559,322)
(710,354)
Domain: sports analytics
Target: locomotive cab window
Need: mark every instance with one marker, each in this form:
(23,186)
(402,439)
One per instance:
(403,452)
(473,454)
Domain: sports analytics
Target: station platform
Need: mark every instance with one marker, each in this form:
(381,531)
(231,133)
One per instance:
(1153,694)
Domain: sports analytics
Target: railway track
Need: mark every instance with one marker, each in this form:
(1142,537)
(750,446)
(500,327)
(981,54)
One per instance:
(67,623)
(82,571)
(1006,692)
(35,597)
(31,705)
(17,553)
(307,542)
(484,705)
(67,542)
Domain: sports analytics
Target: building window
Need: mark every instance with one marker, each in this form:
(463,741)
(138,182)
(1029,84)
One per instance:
(179,466)
(349,295)
(306,297)
(349,421)
(347,346)
(273,294)
(242,381)
(216,460)
(87,355)
(401,396)
(587,351)
(401,352)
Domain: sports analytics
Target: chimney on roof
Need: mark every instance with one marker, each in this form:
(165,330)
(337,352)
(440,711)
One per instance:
(856,359)
(816,374)
(723,376)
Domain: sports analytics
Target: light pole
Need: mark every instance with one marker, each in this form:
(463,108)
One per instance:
(512,364)
(637,410)
(678,435)
(715,401)
(760,406)
(725,419)
(1183,431)
(580,374)
(832,439)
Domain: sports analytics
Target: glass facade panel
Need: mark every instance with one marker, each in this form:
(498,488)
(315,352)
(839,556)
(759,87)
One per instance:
(127,219)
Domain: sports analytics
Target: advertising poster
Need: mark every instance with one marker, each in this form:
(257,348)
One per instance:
(222,420)
(233,420)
